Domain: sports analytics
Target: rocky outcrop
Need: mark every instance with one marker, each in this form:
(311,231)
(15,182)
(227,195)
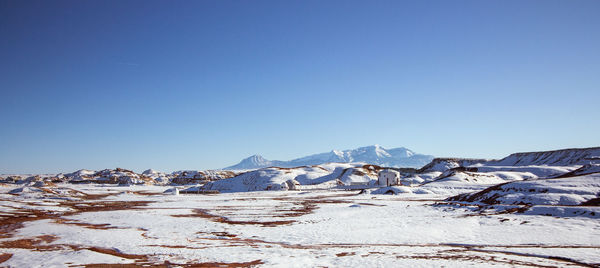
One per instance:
(443,164)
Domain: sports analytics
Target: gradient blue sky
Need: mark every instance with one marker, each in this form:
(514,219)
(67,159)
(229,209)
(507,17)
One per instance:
(174,85)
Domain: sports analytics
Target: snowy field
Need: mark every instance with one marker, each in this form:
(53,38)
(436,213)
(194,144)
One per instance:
(539,209)
(93,225)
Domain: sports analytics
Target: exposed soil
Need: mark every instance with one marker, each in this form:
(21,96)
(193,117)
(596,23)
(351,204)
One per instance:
(5,257)
(472,258)
(301,208)
(226,264)
(169,264)
(32,243)
(289,208)
(342,254)
(10,223)
(147,193)
(223,234)
(103,226)
(175,246)
(201,213)
(103,206)
(305,207)
(463,249)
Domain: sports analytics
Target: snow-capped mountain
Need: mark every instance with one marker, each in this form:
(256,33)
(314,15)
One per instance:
(252,162)
(375,154)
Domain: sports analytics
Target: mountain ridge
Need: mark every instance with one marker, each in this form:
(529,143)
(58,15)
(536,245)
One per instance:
(374,154)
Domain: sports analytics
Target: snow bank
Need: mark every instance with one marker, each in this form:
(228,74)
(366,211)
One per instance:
(564,191)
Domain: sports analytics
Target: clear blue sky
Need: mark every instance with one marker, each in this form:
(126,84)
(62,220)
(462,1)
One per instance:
(174,85)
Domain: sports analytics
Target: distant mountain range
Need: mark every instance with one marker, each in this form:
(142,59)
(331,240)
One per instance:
(375,154)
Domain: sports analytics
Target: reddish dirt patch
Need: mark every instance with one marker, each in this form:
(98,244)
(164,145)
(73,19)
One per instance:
(116,253)
(226,234)
(345,254)
(102,226)
(226,264)
(306,207)
(104,206)
(147,193)
(372,253)
(255,242)
(32,243)
(5,257)
(7,229)
(169,264)
(465,255)
(10,223)
(201,213)
(46,190)
(48,238)
(303,207)
(113,265)
(35,244)
(175,246)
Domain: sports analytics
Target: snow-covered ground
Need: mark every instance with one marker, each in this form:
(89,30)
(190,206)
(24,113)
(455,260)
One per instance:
(98,224)
(537,209)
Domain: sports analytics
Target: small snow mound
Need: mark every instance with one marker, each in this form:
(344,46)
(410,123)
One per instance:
(150,172)
(43,184)
(25,190)
(443,164)
(568,191)
(172,191)
(393,190)
(421,191)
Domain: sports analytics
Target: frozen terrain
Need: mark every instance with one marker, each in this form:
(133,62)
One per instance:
(536,209)
(81,225)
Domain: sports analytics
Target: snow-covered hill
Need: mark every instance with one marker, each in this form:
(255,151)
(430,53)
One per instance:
(375,154)
(123,177)
(252,162)
(563,191)
(443,164)
(565,157)
(325,176)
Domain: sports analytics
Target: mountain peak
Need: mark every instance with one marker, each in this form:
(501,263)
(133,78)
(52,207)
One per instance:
(256,158)
(252,162)
(370,147)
